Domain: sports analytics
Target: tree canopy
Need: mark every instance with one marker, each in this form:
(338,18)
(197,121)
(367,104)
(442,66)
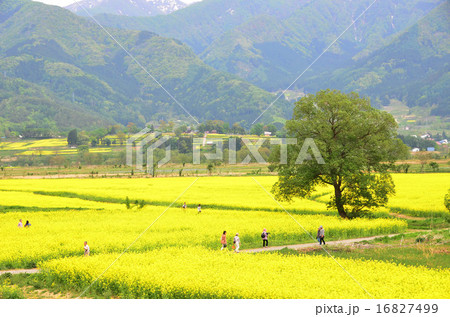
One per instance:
(358,144)
(72,138)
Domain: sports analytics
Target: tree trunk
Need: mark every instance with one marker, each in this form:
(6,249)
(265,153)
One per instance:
(338,200)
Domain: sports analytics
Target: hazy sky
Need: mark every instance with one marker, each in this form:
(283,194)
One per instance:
(63,3)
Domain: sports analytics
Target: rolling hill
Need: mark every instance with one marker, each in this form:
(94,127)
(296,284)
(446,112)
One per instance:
(34,111)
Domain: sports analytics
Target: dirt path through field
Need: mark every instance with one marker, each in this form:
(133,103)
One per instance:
(402,216)
(53,176)
(274,248)
(311,245)
(19,271)
(294,247)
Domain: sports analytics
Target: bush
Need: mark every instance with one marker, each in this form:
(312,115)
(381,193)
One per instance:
(8,291)
(447,200)
(420,239)
(424,238)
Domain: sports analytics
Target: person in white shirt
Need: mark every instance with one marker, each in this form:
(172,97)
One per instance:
(87,250)
(237,243)
(20,225)
(199,208)
(321,235)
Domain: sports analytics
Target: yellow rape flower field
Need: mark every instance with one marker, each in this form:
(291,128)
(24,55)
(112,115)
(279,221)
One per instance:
(54,234)
(63,152)
(33,144)
(29,199)
(420,194)
(201,273)
(416,194)
(214,192)
(177,252)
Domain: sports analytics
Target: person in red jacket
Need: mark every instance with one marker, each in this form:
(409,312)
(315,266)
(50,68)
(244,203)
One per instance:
(224,240)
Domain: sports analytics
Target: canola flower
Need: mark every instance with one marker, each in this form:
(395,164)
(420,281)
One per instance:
(45,147)
(176,258)
(55,234)
(63,152)
(201,273)
(33,144)
(416,194)
(420,194)
(29,199)
(211,192)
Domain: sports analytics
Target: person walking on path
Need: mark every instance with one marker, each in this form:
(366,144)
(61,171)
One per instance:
(265,238)
(20,225)
(321,235)
(224,240)
(199,208)
(27,224)
(184,205)
(318,235)
(87,250)
(237,243)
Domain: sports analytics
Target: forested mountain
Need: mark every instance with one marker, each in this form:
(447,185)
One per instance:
(36,112)
(201,23)
(414,67)
(62,71)
(71,58)
(127,7)
(271,42)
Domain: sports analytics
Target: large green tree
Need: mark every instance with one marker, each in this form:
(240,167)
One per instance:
(357,144)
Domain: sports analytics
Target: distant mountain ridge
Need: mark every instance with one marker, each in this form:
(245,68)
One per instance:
(72,62)
(127,7)
(221,30)
(269,43)
(200,24)
(414,67)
